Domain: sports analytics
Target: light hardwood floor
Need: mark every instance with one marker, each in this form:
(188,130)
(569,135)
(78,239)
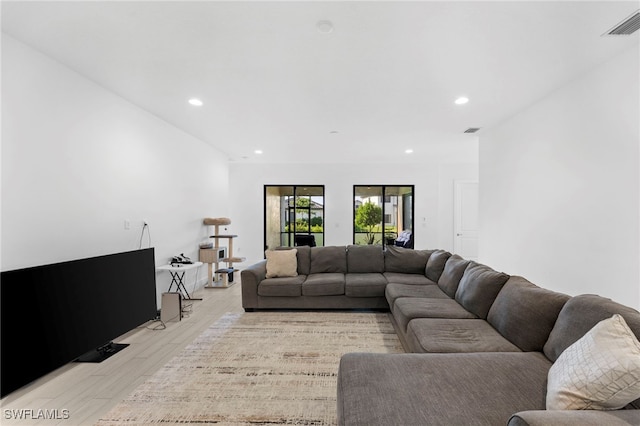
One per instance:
(88,390)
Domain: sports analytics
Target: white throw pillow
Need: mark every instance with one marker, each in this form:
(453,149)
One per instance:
(282,263)
(600,371)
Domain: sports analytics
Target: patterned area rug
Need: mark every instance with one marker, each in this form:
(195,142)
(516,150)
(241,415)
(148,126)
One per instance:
(258,368)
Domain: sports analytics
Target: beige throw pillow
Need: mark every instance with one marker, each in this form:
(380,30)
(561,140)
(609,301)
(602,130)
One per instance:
(282,263)
(601,371)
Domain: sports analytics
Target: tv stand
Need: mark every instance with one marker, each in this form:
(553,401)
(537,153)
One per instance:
(102,353)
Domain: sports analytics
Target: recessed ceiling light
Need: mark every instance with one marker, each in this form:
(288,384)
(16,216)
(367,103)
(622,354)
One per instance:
(258,151)
(325,26)
(195,102)
(408,151)
(461,100)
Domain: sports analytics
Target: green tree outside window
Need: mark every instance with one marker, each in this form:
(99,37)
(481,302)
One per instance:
(369,217)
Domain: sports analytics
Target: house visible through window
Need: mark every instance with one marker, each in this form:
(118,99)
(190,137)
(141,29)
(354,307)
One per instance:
(293,215)
(383,215)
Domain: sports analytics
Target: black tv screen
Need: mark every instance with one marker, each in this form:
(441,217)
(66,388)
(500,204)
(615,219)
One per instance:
(53,314)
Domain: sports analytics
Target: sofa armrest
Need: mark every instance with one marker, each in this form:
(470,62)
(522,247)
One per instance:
(575,418)
(250,278)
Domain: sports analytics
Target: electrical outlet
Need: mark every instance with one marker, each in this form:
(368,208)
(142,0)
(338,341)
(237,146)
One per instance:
(127,224)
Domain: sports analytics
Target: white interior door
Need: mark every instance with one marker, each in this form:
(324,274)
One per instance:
(465,228)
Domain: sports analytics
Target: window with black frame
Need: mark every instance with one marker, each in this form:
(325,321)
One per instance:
(293,215)
(383,215)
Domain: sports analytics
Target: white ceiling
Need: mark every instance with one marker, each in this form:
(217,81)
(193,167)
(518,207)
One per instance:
(384,79)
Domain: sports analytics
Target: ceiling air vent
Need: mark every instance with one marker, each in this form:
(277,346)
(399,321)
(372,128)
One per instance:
(472,130)
(626,27)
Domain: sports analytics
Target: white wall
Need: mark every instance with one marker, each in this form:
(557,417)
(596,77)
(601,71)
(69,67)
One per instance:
(77,161)
(433,198)
(559,187)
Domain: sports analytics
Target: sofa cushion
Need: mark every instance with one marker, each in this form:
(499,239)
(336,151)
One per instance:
(525,313)
(409,261)
(407,308)
(575,418)
(455,335)
(365,259)
(303,257)
(452,273)
(394,290)
(304,260)
(601,370)
(281,263)
(439,389)
(328,259)
(365,285)
(579,315)
(325,284)
(289,287)
(435,264)
(412,279)
(479,287)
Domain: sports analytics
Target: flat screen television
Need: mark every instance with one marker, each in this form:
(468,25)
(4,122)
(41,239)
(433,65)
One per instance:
(55,314)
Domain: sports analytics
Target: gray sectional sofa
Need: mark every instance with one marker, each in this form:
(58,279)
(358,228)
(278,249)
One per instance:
(339,277)
(480,342)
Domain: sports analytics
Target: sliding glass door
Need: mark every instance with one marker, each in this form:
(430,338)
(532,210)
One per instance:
(381,213)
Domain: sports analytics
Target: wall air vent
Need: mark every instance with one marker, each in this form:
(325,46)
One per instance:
(472,130)
(627,27)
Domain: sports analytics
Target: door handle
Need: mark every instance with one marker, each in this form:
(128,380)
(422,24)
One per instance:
(459,235)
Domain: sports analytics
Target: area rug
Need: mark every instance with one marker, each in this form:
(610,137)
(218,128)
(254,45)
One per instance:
(258,368)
